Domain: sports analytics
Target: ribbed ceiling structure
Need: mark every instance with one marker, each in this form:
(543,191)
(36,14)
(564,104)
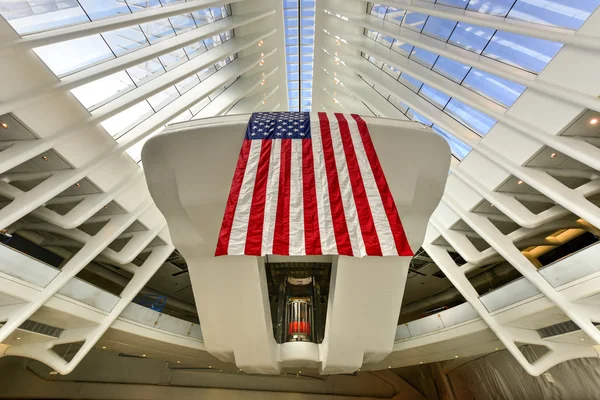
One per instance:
(511,85)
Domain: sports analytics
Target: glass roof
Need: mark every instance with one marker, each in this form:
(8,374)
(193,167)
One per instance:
(69,57)
(521,52)
(299,18)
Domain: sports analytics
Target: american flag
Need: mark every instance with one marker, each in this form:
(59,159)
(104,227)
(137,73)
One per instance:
(310,186)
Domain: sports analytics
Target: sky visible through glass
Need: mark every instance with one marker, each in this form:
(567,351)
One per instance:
(517,51)
(70,57)
(299,17)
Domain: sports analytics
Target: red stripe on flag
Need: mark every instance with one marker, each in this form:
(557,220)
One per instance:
(384,191)
(312,236)
(363,208)
(281,238)
(234,194)
(257,209)
(340,229)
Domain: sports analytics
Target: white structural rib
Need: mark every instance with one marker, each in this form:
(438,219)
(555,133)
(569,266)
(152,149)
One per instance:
(128,60)
(575,148)
(28,201)
(42,351)
(539,31)
(458,221)
(104,25)
(22,151)
(469,58)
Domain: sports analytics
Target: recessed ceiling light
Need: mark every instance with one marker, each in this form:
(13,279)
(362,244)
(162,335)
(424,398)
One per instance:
(552,155)
(389,366)
(18,338)
(78,184)
(299,372)
(260,43)
(44,158)
(496,348)
(4,125)
(420,362)
(455,356)
(143,355)
(593,121)
(520,182)
(178,362)
(103,347)
(262,62)
(209,366)
(262,82)
(581,339)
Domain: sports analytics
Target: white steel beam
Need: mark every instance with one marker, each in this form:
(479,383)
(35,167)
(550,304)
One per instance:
(128,60)
(108,24)
(540,31)
(471,59)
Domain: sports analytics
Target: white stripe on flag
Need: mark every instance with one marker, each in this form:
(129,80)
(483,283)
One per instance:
(237,240)
(328,243)
(271,200)
(382,225)
(356,239)
(297,247)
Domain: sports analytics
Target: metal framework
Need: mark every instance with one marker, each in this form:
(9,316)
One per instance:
(543,148)
(369,70)
(37,187)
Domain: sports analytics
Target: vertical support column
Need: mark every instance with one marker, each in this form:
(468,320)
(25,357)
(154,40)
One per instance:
(233,304)
(365,297)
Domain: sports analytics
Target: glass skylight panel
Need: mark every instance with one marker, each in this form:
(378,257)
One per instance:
(299,22)
(104,9)
(414,21)
(182,23)
(410,82)
(495,88)
(99,92)
(454,3)
(145,71)
(570,14)
(158,30)
(173,59)
(124,40)
(471,37)
(474,119)
(35,16)
(161,99)
(451,69)
(459,149)
(424,57)
(395,15)
(73,55)
(471,118)
(564,13)
(437,98)
(492,7)
(28,17)
(141,5)
(439,28)
(521,51)
(119,124)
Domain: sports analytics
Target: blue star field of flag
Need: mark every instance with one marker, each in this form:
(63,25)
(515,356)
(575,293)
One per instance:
(278,125)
